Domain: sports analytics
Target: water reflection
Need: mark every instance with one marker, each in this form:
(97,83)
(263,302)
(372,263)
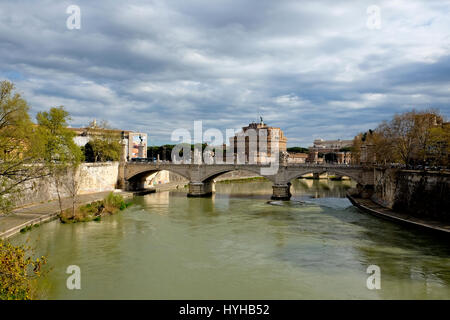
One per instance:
(260,189)
(236,245)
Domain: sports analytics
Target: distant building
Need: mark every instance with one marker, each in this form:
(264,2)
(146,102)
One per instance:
(251,134)
(330,145)
(135,143)
(334,151)
(297,157)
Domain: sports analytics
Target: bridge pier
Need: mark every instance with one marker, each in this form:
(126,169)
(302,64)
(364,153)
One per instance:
(135,184)
(365,191)
(281,191)
(201,189)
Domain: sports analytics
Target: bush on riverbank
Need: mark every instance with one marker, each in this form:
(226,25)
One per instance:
(112,204)
(19,272)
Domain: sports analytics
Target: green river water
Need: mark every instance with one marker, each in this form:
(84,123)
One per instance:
(236,245)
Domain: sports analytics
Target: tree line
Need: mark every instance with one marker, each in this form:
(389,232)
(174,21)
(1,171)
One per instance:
(414,138)
(164,152)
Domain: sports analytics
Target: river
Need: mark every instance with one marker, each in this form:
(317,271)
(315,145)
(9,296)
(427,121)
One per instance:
(237,245)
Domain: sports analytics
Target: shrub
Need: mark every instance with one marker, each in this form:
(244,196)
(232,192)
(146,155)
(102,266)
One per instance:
(93,211)
(19,272)
(114,202)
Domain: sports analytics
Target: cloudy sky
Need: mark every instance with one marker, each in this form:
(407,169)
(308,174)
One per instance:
(313,69)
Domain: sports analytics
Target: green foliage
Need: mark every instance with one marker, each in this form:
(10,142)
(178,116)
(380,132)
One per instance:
(105,144)
(28,228)
(114,202)
(60,155)
(59,146)
(298,150)
(19,272)
(165,151)
(95,210)
(100,150)
(20,147)
(84,213)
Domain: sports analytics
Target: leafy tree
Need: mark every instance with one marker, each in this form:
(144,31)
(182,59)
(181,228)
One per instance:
(59,148)
(409,138)
(105,144)
(19,272)
(60,153)
(20,147)
(165,151)
(298,150)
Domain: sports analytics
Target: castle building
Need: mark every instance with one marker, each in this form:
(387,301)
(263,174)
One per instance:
(256,150)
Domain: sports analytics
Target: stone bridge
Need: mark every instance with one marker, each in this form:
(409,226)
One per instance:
(132,175)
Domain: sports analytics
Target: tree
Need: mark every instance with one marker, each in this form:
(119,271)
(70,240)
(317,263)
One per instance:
(409,135)
(59,147)
(19,272)
(424,123)
(439,145)
(298,150)
(20,147)
(60,151)
(105,144)
(401,132)
(410,138)
(72,181)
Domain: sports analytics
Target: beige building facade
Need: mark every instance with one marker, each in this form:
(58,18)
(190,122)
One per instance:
(260,142)
(323,151)
(134,143)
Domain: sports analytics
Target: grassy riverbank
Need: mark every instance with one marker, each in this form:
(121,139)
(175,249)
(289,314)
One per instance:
(94,211)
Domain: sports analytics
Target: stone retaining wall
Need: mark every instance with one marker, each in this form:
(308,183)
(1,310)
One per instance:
(420,194)
(95,177)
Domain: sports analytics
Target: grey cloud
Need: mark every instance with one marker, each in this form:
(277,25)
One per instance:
(311,68)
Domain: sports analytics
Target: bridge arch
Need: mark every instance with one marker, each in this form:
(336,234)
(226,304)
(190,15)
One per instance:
(210,176)
(354,175)
(136,180)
